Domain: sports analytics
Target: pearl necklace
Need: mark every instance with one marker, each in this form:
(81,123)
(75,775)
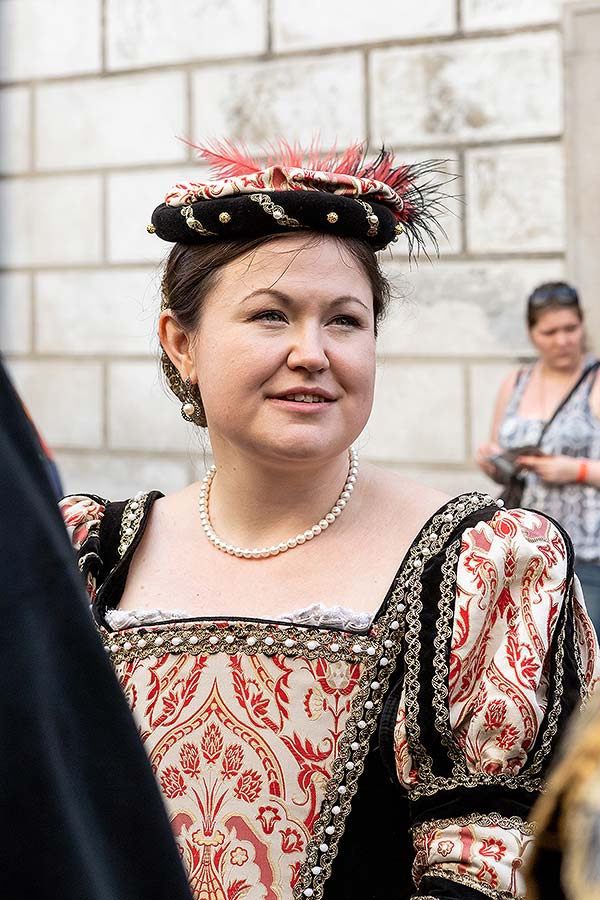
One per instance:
(264,552)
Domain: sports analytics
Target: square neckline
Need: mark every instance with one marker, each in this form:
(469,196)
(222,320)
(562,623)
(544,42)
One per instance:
(99,610)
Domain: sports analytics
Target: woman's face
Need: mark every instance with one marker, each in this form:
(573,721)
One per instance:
(558,336)
(284,353)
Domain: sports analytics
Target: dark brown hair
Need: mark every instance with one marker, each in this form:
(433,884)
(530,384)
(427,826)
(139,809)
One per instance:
(191,270)
(551,295)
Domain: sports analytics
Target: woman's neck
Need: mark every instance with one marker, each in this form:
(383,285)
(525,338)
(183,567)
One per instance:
(562,373)
(253,502)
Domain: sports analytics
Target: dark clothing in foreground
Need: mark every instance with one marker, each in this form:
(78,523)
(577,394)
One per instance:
(82,817)
(566,861)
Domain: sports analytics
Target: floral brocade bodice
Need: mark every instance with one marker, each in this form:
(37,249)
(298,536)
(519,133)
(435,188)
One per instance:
(248,727)
(282,748)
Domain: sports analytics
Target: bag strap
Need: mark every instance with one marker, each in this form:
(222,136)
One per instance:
(566,399)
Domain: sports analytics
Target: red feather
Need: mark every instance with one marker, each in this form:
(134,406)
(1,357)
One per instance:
(227,160)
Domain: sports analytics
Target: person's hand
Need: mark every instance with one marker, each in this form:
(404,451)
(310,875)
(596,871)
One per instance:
(553,469)
(482,454)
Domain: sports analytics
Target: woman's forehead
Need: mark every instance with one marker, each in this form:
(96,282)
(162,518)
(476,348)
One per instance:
(294,260)
(557,318)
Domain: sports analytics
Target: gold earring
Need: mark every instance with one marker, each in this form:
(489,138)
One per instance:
(186,393)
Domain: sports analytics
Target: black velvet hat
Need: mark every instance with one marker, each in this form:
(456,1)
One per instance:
(338,194)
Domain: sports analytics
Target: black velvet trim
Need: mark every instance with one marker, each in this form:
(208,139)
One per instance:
(457,803)
(248,219)
(431,579)
(115,570)
(444,889)
(110,527)
(546,864)
(375,852)
(389,717)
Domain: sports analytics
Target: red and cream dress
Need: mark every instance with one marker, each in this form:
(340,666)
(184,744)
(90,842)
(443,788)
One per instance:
(334,755)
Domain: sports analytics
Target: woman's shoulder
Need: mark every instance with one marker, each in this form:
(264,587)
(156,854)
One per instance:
(509,382)
(404,492)
(472,512)
(413,498)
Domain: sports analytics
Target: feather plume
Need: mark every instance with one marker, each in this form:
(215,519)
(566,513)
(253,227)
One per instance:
(419,185)
(228,160)
(423,187)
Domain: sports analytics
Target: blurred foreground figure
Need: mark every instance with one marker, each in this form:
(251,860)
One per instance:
(75,782)
(566,858)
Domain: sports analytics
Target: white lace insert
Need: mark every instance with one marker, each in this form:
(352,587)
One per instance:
(316,614)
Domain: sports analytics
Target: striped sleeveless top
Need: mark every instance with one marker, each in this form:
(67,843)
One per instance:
(575,431)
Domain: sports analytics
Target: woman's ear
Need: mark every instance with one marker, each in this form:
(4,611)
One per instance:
(177,345)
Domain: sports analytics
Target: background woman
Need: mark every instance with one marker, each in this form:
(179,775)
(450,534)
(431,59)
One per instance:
(564,482)
(309,644)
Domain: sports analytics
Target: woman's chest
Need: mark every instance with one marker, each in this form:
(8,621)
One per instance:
(262,588)
(353,568)
(562,420)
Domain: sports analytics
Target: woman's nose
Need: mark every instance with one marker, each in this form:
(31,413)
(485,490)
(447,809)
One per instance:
(308,351)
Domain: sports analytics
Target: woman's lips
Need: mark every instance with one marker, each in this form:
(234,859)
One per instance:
(302,406)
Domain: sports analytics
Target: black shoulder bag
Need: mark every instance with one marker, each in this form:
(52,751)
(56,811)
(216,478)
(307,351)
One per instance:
(513,490)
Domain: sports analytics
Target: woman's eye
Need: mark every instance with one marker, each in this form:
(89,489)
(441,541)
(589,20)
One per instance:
(270,315)
(346,321)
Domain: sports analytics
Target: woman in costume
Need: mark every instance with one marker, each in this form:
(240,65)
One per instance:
(554,404)
(349,684)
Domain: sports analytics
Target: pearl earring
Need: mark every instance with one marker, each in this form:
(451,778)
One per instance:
(190,410)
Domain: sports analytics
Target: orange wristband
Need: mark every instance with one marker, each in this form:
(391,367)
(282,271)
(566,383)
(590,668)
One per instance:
(582,471)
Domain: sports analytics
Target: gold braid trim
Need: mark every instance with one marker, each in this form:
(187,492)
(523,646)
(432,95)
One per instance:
(441,641)
(188,214)
(432,542)
(372,219)
(273,209)
(511,823)
(130,523)
(481,886)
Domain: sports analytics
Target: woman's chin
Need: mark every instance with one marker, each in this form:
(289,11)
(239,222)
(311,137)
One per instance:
(303,447)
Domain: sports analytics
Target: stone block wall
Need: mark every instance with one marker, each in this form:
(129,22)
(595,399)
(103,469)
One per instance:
(94,95)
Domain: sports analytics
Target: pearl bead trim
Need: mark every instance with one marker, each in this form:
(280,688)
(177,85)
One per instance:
(251,638)
(297,541)
(132,517)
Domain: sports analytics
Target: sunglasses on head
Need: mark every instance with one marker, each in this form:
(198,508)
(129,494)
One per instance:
(563,296)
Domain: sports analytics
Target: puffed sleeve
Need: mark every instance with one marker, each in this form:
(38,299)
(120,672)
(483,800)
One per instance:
(82,515)
(510,653)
